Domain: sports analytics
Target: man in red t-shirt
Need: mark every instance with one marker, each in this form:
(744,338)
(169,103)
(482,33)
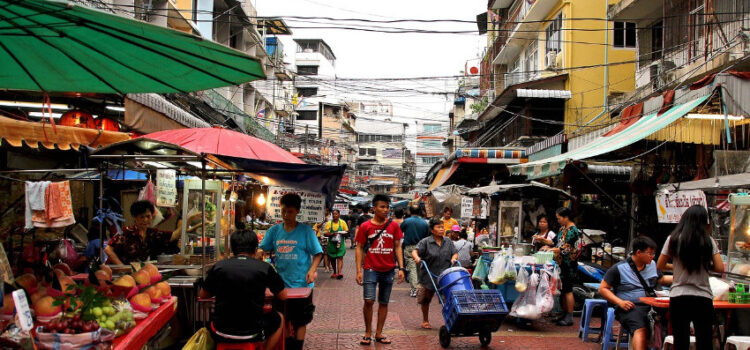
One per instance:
(384,254)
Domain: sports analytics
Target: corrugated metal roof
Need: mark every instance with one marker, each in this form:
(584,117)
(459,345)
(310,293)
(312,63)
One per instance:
(543,93)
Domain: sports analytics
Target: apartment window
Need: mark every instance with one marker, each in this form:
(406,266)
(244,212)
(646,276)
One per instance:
(430,160)
(307,70)
(624,34)
(657,31)
(431,143)
(554,35)
(697,25)
(368,152)
(531,60)
(307,91)
(307,115)
(431,127)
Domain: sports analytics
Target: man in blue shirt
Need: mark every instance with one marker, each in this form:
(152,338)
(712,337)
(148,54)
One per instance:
(297,254)
(622,288)
(415,229)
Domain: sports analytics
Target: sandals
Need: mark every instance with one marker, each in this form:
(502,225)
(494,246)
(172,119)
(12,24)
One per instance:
(426,325)
(383,340)
(365,341)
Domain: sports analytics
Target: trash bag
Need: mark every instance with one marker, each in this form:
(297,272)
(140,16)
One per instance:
(201,340)
(522,280)
(544,298)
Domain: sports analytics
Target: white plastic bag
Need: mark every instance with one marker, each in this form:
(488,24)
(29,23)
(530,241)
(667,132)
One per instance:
(554,282)
(719,288)
(497,270)
(525,306)
(522,280)
(510,269)
(544,298)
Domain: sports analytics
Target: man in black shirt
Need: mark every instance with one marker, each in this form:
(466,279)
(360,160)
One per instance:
(365,217)
(239,285)
(353,223)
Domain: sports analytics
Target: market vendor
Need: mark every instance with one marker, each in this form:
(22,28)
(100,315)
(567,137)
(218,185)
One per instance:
(545,236)
(142,242)
(334,230)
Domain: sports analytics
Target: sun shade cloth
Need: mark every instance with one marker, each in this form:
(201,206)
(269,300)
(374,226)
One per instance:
(443,175)
(533,187)
(225,142)
(55,46)
(33,134)
(639,130)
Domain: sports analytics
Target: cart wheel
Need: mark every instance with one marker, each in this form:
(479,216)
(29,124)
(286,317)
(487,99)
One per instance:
(445,337)
(485,338)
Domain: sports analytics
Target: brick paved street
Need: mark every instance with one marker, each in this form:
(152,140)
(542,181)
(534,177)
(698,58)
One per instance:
(338,322)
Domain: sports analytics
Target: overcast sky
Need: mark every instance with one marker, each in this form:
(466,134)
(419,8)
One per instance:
(379,55)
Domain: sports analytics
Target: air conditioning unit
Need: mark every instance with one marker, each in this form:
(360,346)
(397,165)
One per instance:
(661,73)
(550,61)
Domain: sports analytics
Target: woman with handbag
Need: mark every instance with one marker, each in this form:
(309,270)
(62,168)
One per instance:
(566,256)
(693,253)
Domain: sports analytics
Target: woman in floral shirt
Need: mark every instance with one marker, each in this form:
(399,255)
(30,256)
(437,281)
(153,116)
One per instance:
(566,255)
(141,242)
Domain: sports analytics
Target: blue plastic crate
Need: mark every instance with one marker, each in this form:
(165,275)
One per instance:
(470,310)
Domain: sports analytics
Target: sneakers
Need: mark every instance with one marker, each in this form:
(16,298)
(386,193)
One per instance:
(413,293)
(340,276)
(566,321)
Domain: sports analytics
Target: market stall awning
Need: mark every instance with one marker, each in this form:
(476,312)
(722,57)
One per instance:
(714,183)
(639,130)
(491,156)
(34,134)
(443,175)
(533,187)
(56,46)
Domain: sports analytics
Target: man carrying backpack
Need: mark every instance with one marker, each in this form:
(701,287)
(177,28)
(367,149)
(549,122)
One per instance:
(379,253)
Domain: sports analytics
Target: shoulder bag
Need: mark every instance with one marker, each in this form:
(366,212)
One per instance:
(655,327)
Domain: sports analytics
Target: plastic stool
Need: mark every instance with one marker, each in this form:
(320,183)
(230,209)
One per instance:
(670,340)
(589,306)
(609,341)
(740,343)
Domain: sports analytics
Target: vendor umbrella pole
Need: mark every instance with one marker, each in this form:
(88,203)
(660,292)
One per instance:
(101,210)
(203,216)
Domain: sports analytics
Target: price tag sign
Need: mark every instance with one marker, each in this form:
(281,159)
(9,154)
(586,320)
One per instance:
(25,321)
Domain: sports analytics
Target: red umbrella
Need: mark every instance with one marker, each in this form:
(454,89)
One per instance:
(225,142)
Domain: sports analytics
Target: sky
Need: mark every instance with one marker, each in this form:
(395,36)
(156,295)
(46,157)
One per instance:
(363,54)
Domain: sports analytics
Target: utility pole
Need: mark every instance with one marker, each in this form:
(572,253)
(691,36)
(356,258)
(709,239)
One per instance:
(306,127)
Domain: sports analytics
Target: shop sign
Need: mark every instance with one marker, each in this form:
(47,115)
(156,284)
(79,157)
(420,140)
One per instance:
(313,204)
(166,187)
(671,206)
(343,208)
(467,207)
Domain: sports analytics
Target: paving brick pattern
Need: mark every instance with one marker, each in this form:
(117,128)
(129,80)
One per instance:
(338,322)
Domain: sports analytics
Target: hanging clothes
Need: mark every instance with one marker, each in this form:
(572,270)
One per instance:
(58,207)
(35,200)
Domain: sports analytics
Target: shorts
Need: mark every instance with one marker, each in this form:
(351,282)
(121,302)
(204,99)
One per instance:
(270,321)
(424,295)
(634,319)
(299,312)
(566,279)
(383,281)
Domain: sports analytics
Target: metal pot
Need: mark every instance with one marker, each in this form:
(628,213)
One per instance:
(164,258)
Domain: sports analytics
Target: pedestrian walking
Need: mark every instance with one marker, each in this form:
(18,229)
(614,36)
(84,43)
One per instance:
(398,215)
(365,217)
(379,253)
(464,248)
(439,253)
(415,229)
(566,256)
(448,220)
(353,225)
(693,253)
(297,255)
(335,230)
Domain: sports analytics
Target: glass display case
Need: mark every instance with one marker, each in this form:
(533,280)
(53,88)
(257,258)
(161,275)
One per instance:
(192,231)
(739,234)
(509,222)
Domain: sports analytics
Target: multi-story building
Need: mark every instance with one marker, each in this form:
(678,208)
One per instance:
(430,149)
(549,68)
(381,149)
(315,66)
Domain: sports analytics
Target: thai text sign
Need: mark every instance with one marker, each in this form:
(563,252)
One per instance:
(467,206)
(313,204)
(166,187)
(670,206)
(343,208)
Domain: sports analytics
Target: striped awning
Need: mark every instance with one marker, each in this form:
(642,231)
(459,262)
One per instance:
(39,134)
(639,130)
(443,175)
(543,93)
(491,155)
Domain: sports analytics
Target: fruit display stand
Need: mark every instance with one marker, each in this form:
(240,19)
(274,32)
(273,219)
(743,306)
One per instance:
(146,328)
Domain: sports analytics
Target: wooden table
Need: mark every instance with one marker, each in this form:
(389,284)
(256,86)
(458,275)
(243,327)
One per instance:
(725,306)
(146,328)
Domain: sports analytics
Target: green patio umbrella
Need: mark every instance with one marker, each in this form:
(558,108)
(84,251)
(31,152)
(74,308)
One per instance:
(56,46)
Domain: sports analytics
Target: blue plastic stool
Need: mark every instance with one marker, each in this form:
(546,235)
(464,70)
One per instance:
(609,340)
(591,305)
